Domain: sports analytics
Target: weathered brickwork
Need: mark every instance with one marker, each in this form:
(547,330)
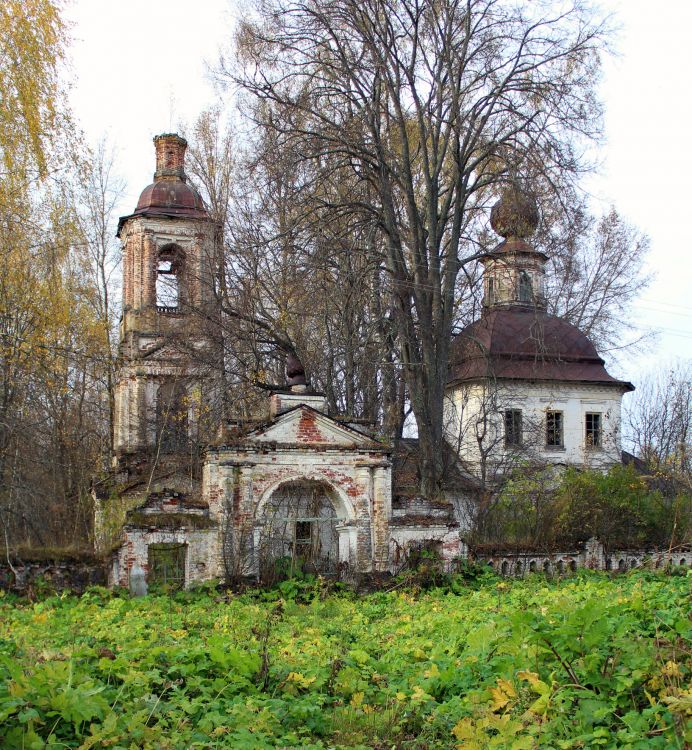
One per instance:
(203,559)
(168,226)
(308,487)
(303,446)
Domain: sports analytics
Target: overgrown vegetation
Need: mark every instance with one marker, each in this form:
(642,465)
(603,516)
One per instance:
(589,661)
(545,509)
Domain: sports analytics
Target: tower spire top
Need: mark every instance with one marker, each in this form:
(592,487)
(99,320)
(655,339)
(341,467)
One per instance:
(514,271)
(170,156)
(515,215)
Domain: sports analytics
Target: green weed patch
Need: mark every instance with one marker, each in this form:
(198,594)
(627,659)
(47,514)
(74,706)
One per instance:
(586,662)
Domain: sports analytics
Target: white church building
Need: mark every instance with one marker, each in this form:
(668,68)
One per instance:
(296,483)
(525,385)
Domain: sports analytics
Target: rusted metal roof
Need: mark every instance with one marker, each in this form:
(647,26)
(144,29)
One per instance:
(171,195)
(173,198)
(517,343)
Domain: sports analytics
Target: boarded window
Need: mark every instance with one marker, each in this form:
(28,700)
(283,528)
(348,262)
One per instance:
(594,433)
(554,429)
(513,427)
(167,565)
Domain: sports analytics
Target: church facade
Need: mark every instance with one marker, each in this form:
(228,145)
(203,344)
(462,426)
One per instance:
(297,485)
(525,385)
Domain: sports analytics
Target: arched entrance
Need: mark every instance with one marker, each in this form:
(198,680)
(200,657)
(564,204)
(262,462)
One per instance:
(296,530)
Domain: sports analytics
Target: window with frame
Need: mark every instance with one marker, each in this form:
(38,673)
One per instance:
(490,294)
(303,538)
(513,427)
(554,429)
(525,287)
(593,430)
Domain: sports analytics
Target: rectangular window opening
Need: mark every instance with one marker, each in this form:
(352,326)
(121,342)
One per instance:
(513,427)
(303,538)
(491,291)
(594,431)
(167,565)
(554,429)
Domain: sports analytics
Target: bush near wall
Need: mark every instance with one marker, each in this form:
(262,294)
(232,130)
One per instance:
(39,569)
(540,507)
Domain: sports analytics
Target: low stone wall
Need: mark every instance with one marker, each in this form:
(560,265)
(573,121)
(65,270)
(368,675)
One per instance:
(52,575)
(440,539)
(593,556)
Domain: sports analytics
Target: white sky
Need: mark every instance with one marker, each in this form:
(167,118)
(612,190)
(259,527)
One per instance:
(140,69)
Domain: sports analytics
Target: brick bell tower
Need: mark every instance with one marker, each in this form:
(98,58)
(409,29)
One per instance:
(166,348)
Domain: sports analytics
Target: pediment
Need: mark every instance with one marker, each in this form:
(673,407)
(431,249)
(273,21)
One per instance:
(161,351)
(303,425)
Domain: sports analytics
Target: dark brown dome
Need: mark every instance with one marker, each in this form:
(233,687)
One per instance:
(169,195)
(172,198)
(526,344)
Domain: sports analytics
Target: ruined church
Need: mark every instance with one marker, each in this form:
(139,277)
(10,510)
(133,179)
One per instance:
(295,484)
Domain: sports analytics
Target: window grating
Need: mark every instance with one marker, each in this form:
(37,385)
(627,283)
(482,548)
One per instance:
(554,429)
(594,432)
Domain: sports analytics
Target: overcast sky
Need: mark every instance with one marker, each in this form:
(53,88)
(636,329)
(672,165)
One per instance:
(140,68)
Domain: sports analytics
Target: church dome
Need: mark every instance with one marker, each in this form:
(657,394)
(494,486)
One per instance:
(170,198)
(515,343)
(515,214)
(169,195)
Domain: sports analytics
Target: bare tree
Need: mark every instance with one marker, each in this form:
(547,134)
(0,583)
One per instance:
(427,106)
(294,279)
(659,421)
(596,270)
(97,196)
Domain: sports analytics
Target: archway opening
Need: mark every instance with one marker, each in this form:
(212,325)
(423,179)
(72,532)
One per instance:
(169,288)
(298,531)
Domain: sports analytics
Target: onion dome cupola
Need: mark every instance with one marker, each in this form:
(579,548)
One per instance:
(169,195)
(515,337)
(514,272)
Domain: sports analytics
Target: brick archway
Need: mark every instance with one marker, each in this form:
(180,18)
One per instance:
(343,506)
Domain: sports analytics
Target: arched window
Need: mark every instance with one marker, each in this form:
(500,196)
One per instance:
(168,277)
(525,287)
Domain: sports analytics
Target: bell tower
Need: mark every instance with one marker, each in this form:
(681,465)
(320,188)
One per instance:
(514,273)
(165,344)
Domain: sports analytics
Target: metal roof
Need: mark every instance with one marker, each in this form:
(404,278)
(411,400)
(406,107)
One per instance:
(516,343)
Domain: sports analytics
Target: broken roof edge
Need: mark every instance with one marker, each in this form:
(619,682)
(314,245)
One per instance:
(261,424)
(170,213)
